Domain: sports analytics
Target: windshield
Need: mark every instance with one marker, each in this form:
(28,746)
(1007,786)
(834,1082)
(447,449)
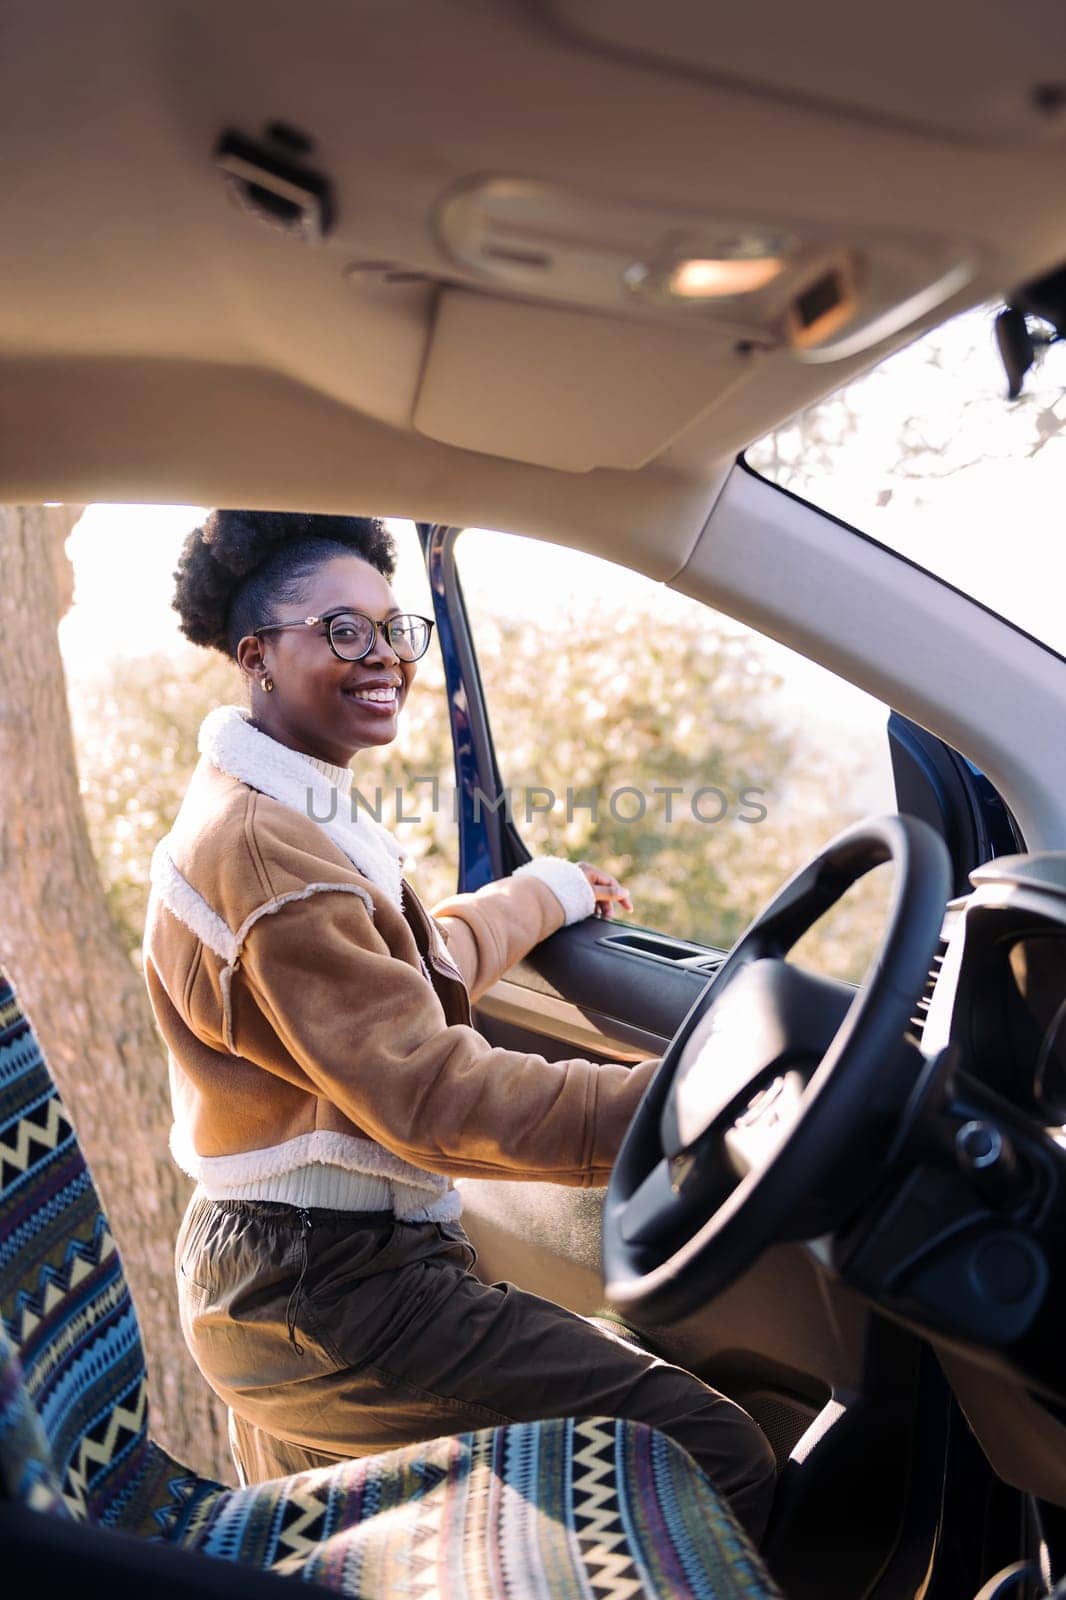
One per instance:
(927,456)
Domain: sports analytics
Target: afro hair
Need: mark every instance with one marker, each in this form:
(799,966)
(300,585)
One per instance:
(235,570)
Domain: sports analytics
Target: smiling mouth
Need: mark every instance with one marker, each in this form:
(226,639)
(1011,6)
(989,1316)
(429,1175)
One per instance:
(383,699)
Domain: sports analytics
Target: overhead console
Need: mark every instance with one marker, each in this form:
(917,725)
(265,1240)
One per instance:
(825,291)
(689,303)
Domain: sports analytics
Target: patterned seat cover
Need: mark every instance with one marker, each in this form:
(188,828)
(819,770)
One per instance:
(563,1508)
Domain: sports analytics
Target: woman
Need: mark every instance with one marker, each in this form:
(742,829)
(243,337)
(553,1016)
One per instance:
(327,1084)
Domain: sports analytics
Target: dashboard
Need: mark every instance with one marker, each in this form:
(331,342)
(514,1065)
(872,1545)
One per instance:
(968,1240)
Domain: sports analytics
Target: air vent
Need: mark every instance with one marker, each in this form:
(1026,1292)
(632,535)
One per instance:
(921,1010)
(269,183)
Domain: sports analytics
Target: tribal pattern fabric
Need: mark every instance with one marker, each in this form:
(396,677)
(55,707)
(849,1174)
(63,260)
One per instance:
(64,1304)
(591,1509)
(581,1509)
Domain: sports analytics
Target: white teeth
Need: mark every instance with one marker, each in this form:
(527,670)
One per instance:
(373,694)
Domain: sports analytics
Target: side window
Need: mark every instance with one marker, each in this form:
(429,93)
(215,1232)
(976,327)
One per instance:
(698,761)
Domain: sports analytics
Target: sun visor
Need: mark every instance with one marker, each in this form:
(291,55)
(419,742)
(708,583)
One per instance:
(560,388)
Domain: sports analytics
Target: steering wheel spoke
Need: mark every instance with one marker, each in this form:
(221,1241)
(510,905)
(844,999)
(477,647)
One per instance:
(676,1191)
(650,1212)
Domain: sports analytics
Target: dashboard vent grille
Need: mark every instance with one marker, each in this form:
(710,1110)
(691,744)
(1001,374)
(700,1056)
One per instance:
(921,1010)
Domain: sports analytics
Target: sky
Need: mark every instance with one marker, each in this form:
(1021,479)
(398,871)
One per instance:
(124,558)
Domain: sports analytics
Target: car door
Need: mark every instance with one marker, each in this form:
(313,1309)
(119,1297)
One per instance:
(617,990)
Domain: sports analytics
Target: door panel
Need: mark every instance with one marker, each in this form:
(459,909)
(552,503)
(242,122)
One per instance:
(516,1017)
(638,985)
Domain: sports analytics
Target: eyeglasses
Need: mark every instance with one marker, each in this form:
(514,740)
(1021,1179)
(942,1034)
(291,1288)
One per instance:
(351,635)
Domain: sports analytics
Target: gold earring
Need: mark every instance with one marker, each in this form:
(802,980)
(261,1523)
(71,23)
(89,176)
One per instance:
(266,682)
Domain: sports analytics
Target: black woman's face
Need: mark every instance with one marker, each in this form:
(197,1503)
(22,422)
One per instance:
(320,705)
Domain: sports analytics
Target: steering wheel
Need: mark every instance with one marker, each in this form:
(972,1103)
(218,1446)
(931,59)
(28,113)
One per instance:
(773,1108)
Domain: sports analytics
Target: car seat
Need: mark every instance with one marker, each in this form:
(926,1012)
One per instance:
(562,1508)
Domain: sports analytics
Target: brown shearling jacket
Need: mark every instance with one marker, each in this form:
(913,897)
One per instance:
(292,994)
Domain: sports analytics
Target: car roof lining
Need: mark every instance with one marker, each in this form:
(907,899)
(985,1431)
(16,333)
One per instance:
(164,432)
(158,344)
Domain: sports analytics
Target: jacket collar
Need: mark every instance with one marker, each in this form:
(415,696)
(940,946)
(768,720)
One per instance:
(230,743)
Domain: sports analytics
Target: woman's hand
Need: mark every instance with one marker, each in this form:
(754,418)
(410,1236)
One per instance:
(608,891)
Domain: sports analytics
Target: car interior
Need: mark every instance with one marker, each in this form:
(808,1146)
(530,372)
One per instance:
(551,267)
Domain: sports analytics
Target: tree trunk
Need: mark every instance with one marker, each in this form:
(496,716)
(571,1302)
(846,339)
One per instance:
(85,998)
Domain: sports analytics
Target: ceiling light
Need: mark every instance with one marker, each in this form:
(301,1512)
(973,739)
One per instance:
(706,278)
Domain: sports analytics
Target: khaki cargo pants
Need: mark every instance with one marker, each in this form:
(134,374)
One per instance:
(331,1334)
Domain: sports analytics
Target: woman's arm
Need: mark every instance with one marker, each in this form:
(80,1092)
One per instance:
(489,931)
(319,997)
